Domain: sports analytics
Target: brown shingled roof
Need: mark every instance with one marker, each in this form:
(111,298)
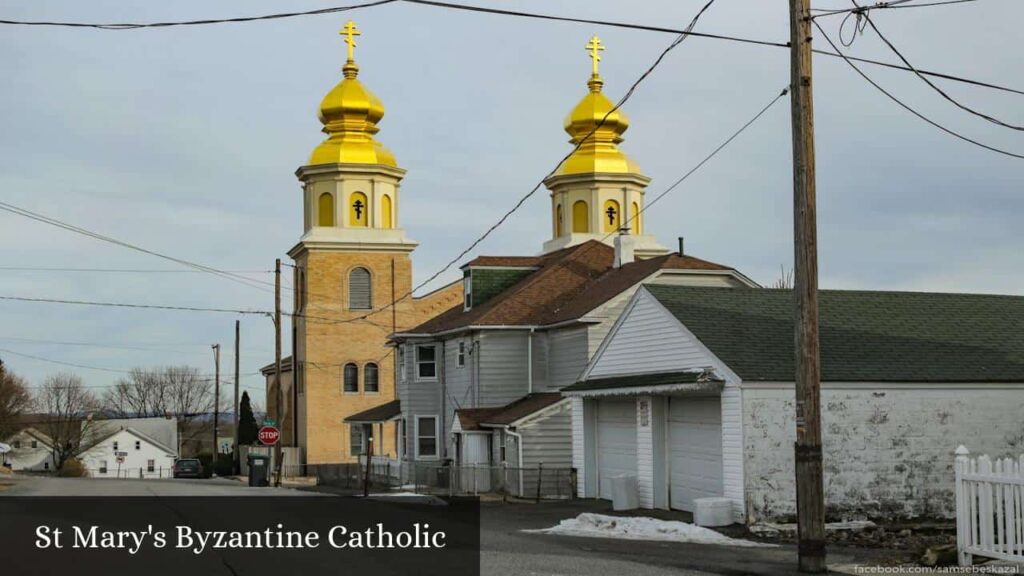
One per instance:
(568,284)
(473,418)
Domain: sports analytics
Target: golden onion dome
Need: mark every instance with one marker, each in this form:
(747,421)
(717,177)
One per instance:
(599,151)
(350,113)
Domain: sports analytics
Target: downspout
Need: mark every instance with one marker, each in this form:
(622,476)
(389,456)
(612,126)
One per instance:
(529,361)
(519,456)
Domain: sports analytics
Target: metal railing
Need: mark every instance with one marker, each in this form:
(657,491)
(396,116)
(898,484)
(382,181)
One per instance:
(142,473)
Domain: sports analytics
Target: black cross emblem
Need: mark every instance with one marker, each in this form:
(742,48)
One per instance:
(611,214)
(358,205)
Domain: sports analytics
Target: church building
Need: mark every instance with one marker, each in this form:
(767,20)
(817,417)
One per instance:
(353,280)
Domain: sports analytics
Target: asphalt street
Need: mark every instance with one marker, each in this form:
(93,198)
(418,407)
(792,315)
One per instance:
(506,549)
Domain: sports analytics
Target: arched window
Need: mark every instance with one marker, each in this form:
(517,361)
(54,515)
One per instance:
(350,378)
(611,216)
(580,217)
(635,215)
(358,210)
(371,380)
(359,285)
(558,220)
(385,212)
(325,210)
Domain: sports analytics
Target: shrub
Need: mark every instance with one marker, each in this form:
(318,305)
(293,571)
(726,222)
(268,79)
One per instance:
(73,468)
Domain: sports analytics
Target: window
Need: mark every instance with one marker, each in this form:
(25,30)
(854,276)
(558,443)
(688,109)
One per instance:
(611,216)
(325,209)
(103,466)
(462,354)
(370,378)
(401,363)
(358,210)
(636,219)
(580,217)
(558,220)
(467,290)
(115,445)
(501,449)
(35,444)
(350,378)
(426,364)
(426,437)
(17,444)
(385,212)
(359,289)
(138,445)
(46,465)
(150,465)
(355,439)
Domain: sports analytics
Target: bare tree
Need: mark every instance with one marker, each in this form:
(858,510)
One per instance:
(68,408)
(178,391)
(14,401)
(785,280)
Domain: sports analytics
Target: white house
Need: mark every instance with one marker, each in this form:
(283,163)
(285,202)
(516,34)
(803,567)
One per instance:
(132,448)
(692,392)
(31,450)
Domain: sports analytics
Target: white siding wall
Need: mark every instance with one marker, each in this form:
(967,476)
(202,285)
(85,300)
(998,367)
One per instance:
(134,461)
(649,340)
(645,451)
(548,440)
(888,449)
(503,367)
(567,356)
(579,446)
(732,448)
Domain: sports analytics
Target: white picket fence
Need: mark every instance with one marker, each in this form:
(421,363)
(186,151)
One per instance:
(989,507)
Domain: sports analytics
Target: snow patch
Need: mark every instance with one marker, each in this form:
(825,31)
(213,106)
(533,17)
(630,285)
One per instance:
(641,528)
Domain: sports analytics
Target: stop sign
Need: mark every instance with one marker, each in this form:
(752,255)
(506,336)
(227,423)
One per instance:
(269,435)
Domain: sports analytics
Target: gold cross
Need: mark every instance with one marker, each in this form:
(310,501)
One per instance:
(594,46)
(350,32)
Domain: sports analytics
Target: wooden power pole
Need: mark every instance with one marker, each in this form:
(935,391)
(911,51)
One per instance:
(277,368)
(216,403)
(810,498)
(236,465)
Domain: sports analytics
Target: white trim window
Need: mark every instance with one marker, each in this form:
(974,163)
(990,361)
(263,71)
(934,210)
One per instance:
(103,466)
(426,362)
(401,363)
(426,436)
(467,291)
(461,359)
(150,465)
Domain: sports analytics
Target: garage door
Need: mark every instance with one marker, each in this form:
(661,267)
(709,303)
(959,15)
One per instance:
(616,442)
(695,450)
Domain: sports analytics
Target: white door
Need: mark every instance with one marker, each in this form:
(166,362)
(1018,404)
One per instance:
(475,465)
(616,442)
(695,450)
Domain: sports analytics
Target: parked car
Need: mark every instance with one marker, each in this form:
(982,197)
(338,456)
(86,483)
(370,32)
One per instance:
(188,468)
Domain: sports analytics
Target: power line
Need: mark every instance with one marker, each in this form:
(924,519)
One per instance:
(110,346)
(120,270)
(908,108)
(532,15)
(79,230)
(932,85)
(135,26)
(894,4)
(126,305)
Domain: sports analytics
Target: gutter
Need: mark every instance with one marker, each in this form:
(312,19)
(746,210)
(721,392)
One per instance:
(519,450)
(529,362)
(481,327)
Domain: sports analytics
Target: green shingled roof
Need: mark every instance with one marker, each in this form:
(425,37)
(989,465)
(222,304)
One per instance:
(865,336)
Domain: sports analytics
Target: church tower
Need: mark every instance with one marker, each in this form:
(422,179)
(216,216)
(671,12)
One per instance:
(598,192)
(353,274)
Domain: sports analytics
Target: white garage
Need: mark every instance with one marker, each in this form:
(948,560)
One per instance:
(694,449)
(616,442)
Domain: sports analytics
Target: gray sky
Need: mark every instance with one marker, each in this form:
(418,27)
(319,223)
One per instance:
(185,140)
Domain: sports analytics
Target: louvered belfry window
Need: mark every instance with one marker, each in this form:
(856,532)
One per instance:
(359,289)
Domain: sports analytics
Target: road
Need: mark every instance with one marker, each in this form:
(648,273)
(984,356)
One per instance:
(505,549)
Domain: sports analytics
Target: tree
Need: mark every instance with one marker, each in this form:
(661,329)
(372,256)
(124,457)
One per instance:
(178,391)
(247,427)
(785,280)
(14,401)
(68,408)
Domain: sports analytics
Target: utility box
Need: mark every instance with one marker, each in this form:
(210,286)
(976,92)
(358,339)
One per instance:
(624,493)
(259,469)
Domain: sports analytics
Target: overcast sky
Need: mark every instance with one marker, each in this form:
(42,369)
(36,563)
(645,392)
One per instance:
(185,141)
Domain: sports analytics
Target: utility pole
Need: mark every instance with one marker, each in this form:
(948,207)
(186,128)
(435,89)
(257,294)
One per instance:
(810,498)
(236,465)
(216,403)
(277,366)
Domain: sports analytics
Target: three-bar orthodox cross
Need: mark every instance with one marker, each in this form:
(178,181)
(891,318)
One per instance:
(350,32)
(595,46)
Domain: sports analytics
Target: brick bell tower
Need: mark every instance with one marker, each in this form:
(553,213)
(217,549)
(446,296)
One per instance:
(351,263)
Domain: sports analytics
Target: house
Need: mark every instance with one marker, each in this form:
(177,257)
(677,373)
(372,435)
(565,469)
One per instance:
(131,448)
(31,451)
(479,383)
(692,392)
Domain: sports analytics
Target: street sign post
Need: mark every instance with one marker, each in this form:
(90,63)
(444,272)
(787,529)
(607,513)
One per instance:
(268,435)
